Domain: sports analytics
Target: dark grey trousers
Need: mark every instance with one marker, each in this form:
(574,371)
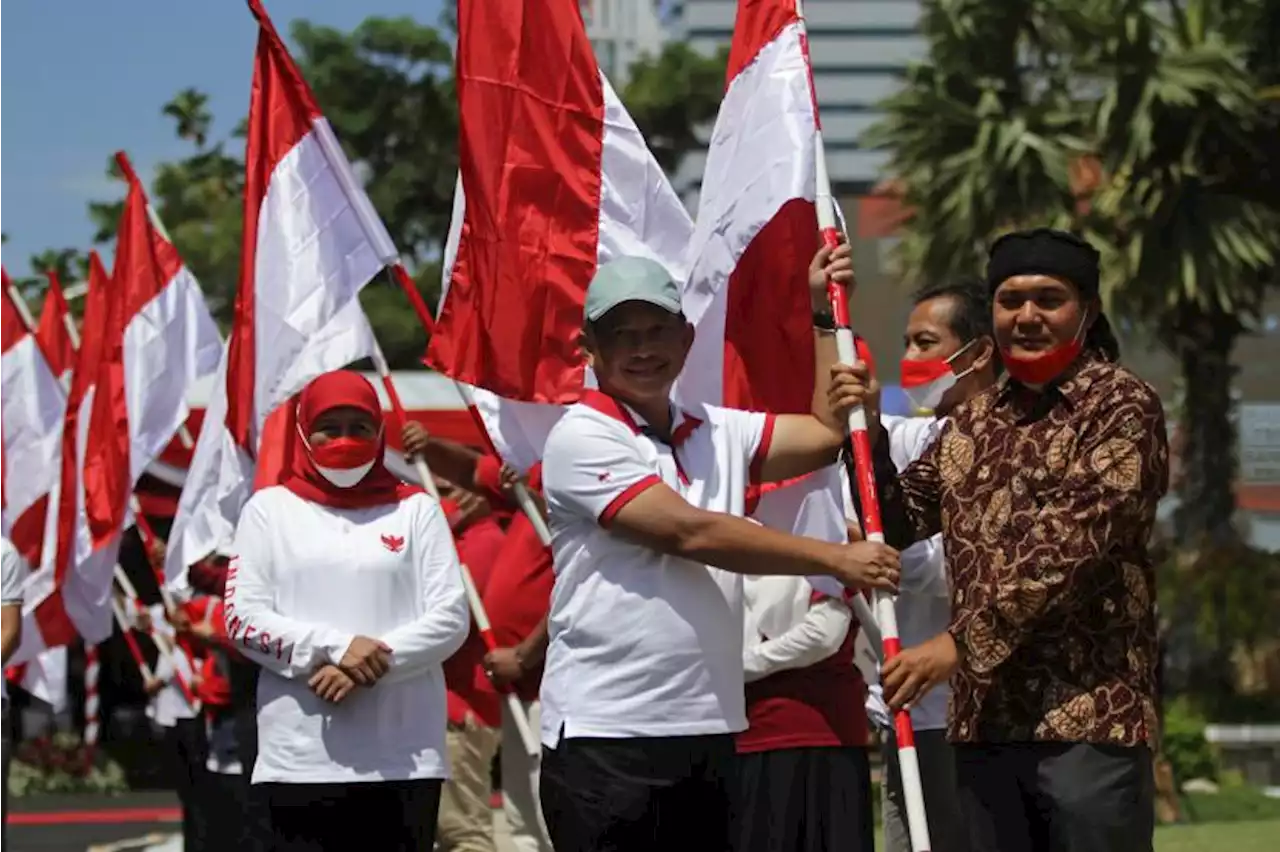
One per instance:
(1056,797)
(938,778)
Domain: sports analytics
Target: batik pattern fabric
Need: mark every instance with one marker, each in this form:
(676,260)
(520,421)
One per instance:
(1046,501)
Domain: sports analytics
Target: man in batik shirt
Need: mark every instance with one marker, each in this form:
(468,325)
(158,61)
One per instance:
(1044,489)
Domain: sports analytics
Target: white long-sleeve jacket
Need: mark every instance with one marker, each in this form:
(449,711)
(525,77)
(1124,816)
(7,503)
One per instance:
(305,580)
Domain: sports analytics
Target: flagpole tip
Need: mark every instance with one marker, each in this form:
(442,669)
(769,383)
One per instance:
(126,167)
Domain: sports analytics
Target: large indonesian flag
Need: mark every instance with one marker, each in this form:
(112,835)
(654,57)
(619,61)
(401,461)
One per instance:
(311,242)
(64,597)
(156,339)
(160,339)
(34,408)
(757,230)
(555,180)
(34,405)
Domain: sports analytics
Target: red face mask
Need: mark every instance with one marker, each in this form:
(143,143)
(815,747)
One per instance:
(344,461)
(1047,366)
(926,382)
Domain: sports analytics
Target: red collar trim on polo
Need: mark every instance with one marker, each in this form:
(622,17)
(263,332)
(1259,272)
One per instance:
(610,407)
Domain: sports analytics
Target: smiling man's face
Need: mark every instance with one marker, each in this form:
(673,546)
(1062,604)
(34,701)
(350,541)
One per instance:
(1036,313)
(637,351)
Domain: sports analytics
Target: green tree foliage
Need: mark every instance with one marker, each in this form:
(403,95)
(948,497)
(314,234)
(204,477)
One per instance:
(68,264)
(982,136)
(672,95)
(1191,237)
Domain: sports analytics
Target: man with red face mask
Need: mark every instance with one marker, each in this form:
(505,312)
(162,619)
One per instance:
(1044,489)
(950,358)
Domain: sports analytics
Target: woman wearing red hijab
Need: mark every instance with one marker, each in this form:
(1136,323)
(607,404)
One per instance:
(345,588)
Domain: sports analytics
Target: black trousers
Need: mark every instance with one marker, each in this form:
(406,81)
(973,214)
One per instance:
(231,822)
(804,800)
(378,816)
(1057,797)
(188,750)
(667,794)
(6,754)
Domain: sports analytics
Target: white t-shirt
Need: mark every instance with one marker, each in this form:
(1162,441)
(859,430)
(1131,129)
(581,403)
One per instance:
(305,580)
(642,644)
(15,571)
(785,629)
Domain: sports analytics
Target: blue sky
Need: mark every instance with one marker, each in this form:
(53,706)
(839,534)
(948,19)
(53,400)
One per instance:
(83,78)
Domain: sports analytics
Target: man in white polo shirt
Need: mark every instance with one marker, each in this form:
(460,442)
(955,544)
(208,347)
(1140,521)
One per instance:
(643,686)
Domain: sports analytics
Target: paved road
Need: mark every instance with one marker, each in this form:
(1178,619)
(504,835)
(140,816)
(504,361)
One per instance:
(137,822)
(77,823)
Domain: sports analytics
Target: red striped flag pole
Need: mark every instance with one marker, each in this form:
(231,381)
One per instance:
(92,723)
(162,644)
(873,528)
(134,650)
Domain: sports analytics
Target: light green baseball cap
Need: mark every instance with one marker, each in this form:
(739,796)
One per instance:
(631,279)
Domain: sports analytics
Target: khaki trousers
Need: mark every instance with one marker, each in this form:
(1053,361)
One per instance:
(520,779)
(466,818)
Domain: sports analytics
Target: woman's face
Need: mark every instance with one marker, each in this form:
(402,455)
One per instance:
(1034,314)
(343,422)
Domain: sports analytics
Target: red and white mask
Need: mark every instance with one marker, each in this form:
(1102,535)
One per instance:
(344,461)
(925,382)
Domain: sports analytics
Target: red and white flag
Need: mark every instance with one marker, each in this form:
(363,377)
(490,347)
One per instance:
(34,404)
(311,241)
(55,331)
(34,408)
(557,180)
(756,232)
(65,598)
(160,340)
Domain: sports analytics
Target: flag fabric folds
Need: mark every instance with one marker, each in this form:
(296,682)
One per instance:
(555,179)
(311,242)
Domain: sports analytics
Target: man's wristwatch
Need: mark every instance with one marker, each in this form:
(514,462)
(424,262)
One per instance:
(824,321)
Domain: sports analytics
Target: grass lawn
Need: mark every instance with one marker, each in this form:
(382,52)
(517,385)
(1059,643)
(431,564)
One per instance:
(1219,837)
(1207,837)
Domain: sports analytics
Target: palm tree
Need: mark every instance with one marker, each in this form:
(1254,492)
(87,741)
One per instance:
(189,108)
(1192,237)
(69,264)
(1190,222)
(1023,104)
(983,135)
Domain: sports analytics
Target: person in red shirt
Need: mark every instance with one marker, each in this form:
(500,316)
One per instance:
(517,598)
(466,821)
(804,775)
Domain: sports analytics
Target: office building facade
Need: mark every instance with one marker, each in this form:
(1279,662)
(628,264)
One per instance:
(621,31)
